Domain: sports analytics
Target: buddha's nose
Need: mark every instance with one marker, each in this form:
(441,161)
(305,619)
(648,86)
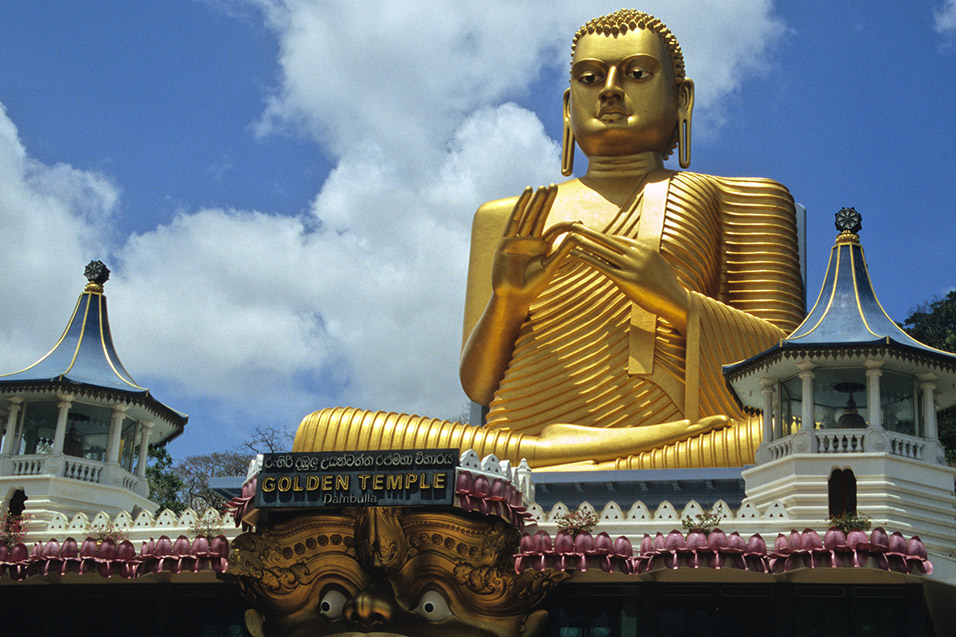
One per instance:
(612,86)
(369,607)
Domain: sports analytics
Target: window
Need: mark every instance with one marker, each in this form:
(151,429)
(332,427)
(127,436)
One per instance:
(841,492)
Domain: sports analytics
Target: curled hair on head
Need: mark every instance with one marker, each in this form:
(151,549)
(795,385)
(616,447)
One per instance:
(624,20)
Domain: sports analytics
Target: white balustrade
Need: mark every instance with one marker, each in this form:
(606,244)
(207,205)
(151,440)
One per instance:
(781,448)
(906,446)
(85,470)
(840,440)
(28,465)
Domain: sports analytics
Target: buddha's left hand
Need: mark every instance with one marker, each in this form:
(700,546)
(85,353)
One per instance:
(639,271)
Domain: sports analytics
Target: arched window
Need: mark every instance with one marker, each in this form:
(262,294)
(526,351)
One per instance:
(841,492)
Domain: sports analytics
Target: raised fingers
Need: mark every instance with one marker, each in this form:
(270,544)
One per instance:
(518,212)
(536,213)
(551,192)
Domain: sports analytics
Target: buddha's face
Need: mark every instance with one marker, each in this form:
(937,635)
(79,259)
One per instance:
(623,97)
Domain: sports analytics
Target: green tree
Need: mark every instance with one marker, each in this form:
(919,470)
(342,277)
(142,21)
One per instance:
(934,323)
(164,484)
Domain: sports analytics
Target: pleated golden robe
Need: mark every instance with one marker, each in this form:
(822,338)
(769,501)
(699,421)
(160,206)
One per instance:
(588,356)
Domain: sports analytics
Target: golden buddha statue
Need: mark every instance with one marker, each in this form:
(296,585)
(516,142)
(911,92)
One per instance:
(599,311)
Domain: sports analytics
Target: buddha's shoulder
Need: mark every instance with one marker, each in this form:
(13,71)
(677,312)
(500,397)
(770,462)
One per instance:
(732,187)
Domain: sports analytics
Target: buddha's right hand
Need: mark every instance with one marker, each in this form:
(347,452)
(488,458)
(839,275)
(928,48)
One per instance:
(524,260)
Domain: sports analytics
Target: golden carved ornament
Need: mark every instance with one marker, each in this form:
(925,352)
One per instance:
(391,571)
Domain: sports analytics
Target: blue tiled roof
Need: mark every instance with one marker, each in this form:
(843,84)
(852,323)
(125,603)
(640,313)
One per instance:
(846,314)
(847,310)
(85,356)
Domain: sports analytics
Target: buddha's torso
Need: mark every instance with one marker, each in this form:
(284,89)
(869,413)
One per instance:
(570,362)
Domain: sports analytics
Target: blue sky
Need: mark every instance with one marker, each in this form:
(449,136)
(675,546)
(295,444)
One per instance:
(283,189)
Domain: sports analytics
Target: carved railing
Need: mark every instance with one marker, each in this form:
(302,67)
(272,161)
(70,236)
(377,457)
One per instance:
(781,448)
(852,441)
(130,481)
(28,465)
(906,446)
(85,470)
(840,440)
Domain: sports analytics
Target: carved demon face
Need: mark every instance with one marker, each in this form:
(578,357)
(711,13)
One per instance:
(388,571)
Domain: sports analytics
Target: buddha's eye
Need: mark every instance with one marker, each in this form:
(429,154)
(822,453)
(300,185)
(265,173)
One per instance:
(433,606)
(332,604)
(637,73)
(590,78)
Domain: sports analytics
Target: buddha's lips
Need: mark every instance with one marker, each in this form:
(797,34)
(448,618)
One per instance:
(611,113)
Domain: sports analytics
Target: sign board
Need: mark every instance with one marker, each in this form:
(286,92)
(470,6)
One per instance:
(357,478)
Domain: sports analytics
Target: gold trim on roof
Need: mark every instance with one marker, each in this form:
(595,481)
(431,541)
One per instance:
(106,352)
(826,277)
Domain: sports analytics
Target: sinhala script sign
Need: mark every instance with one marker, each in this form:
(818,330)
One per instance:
(357,478)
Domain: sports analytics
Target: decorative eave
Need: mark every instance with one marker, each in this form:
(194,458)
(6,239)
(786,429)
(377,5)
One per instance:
(175,419)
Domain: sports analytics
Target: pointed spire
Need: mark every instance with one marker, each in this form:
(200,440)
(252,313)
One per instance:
(847,310)
(84,356)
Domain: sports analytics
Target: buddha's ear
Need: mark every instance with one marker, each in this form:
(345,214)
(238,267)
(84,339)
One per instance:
(685,110)
(567,138)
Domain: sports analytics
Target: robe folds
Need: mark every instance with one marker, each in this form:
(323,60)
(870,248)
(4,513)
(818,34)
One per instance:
(587,355)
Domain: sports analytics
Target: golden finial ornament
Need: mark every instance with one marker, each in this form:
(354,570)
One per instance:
(96,274)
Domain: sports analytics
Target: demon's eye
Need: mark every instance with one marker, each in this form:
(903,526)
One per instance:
(332,604)
(433,606)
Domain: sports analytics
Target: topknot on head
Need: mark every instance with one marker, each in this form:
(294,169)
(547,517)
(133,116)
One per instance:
(624,20)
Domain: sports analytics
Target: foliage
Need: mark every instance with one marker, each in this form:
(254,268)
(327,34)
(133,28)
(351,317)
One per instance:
(108,531)
(186,483)
(13,528)
(267,440)
(575,522)
(164,483)
(934,324)
(703,522)
(195,471)
(847,522)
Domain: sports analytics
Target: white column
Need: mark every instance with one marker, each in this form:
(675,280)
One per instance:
(11,430)
(873,373)
(768,385)
(806,398)
(66,401)
(928,385)
(116,429)
(145,429)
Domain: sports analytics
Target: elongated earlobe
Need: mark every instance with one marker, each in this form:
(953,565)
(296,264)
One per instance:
(567,139)
(685,109)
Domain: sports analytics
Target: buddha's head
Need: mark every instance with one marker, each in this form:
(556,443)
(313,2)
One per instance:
(628,93)
(388,571)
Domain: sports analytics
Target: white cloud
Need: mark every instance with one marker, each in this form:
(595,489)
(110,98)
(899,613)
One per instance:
(53,220)
(367,288)
(945,17)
